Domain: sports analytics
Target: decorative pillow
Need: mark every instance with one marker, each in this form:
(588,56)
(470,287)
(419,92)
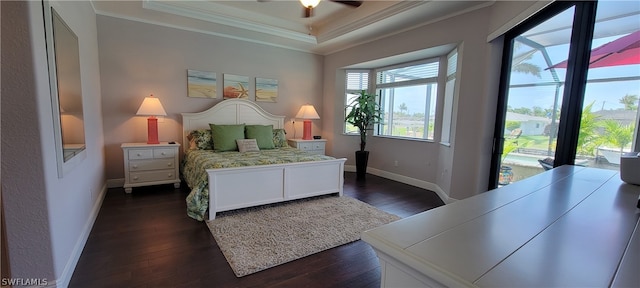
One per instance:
(279,138)
(247,145)
(262,133)
(200,139)
(225,136)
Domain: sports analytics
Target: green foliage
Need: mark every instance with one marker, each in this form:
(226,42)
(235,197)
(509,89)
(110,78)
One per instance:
(589,138)
(364,111)
(527,68)
(403,107)
(510,125)
(617,134)
(629,102)
(508,147)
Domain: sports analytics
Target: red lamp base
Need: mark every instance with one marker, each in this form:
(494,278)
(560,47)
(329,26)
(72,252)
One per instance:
(306,132)
(152,130)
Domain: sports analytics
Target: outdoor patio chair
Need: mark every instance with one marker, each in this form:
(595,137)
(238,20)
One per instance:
(546,163)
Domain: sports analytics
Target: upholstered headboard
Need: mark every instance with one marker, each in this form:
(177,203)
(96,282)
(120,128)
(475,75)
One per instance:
(230,111)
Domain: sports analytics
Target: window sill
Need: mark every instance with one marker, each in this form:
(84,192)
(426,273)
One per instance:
(405,138)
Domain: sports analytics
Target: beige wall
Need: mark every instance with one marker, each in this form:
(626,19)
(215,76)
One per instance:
(47,218)
(138,59)
(462,169)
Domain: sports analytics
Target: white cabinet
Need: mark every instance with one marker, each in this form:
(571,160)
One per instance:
(315,146)
(150,164)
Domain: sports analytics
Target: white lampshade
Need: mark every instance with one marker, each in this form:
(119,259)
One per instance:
(151,106)
(307,112)
(312,3)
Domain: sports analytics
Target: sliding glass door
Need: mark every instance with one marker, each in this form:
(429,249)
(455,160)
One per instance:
(610,114)
(554,107)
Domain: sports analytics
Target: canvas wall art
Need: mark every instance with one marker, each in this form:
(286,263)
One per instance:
(201,84)
(235,86)
(266,90)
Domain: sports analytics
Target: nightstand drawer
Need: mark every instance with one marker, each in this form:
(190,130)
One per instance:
(318,146)
(140,154)
(143,165)
(149,176)
(305,146)
(311,146)
(163,153)
(315,146)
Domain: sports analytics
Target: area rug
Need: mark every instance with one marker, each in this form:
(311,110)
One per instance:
(258,238)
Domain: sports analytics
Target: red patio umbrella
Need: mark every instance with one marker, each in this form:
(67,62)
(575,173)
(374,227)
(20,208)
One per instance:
(622,51)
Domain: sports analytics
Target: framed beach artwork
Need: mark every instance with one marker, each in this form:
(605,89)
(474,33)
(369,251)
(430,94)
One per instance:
(201,84)
(235,87)
(266,90)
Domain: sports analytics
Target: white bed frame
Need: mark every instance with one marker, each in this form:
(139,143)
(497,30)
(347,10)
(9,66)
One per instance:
(241,187)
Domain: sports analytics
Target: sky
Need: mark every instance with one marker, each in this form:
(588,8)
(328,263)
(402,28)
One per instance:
(604,95)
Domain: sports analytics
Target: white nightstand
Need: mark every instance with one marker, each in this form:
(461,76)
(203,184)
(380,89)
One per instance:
(150,164)
(315,146)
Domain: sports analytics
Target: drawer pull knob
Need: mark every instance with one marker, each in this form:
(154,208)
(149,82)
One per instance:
(135,166)
(139,154)
(169,164)
(163,153)
(170,176)
(135,178)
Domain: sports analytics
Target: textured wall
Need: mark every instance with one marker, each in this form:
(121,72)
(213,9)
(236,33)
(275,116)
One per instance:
(138,59)
(23,181)
(47,218)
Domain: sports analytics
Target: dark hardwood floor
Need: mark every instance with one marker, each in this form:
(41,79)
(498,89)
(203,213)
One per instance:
(145,239)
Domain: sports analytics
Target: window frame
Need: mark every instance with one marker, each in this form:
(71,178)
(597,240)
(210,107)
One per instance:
(450,93)
(428,82)
(348,91)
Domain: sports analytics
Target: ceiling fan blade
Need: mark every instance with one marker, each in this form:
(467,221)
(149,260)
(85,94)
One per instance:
(348,3)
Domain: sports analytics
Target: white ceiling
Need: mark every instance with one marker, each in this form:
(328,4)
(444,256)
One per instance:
(333,26)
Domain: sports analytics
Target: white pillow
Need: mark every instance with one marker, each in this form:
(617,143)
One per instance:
(247,145)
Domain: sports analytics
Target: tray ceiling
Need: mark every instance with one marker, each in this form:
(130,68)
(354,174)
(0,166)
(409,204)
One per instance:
(332,27)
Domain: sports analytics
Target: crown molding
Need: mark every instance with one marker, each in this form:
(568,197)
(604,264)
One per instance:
(211,15)
(203,31)
(368,20)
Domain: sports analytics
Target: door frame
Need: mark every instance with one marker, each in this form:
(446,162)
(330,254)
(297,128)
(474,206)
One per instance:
(575,81)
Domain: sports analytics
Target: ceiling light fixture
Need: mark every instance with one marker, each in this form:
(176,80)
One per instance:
(308,6)
(310,3)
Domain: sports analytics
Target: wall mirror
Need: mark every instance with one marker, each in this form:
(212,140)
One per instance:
(63,55)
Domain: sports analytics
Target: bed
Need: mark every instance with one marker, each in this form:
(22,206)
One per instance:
(236,186)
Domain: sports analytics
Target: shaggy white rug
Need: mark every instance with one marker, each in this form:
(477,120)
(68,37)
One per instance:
(258,238)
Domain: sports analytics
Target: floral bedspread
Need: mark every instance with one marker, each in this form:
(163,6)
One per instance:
(196,162)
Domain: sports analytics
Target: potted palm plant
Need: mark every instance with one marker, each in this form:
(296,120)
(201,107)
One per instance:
(364,111)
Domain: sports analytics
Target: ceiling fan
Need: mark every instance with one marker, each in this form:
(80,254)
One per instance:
(310,4)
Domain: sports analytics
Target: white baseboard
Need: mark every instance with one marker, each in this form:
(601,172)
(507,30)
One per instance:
(65,278)
(406,180)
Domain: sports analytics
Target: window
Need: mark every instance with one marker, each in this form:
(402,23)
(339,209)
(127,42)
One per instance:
(408,96)
(449,93)
(357,80)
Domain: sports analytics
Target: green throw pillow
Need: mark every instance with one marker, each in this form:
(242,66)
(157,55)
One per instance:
(225,136)
(262,133)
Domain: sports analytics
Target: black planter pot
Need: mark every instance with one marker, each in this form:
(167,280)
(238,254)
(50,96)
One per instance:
(362,158)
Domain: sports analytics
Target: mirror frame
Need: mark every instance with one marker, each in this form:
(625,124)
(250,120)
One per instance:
(65,164)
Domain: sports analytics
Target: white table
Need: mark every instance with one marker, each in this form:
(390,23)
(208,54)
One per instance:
(570,226)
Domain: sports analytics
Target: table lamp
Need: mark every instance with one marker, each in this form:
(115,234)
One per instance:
(152,107)
(307,112)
